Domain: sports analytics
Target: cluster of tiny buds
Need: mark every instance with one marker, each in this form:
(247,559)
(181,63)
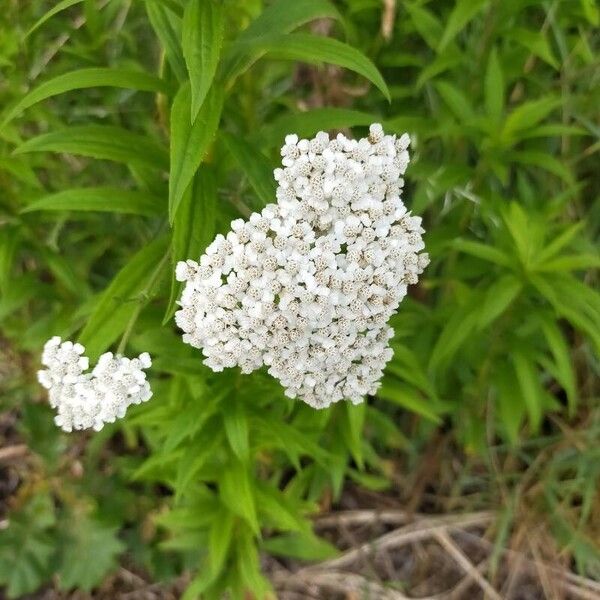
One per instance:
(89,400)
(307,285)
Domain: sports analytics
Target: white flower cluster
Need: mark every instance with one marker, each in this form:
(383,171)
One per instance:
(307,286)
(85,400)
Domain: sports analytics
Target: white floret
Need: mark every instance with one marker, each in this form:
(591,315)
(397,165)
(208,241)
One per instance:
(309,284)
(86,400)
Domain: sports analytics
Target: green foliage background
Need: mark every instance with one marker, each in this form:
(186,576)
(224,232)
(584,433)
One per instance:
(132,131)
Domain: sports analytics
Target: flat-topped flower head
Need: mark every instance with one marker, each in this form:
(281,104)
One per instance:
(307,285)
(88,400)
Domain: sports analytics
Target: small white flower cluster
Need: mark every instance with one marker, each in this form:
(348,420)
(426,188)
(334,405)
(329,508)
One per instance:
(307,286)
(89,400)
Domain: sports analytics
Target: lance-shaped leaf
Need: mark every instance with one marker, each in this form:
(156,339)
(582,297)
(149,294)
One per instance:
(123,297)
(190,143)
(102,199)
(87,78)
(202,37)
(103,142)
(317,49)
(167,26)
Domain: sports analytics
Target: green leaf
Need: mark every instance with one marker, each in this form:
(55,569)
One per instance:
(543,160)
(426,23)
(574,262)
(193,227)
(87,78)
(279,17)
(26,548)
(536,42)
(89,553)
(510,406)
(59,7)
(316,49)
(529,385)
(494,86)
(167,26)
(189,144)
(482,251)
(277,510)
(219,540)
(236,429)
(122,298)
(527,115)
(457,102)
(255,165)
(560,241)
(304,546)
(462,13)
(354,422)
(497,299)
(103,199)
(103,142)
(202,36)
(407,398)
(306,124)
(236,491)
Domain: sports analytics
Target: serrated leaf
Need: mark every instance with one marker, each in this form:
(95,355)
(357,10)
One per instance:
(255,165)
(193,227)
(123,297)
(189,144)
(236,492)
(89,553)
(461,14)
(103,199)
(279,17)
(101,141)
(26,548)
(202,36)
(87,78)
(494,86)
(316,49)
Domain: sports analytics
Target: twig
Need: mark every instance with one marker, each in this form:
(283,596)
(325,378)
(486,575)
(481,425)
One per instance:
(363,517)
(15,451)
(410,533)
(460,557)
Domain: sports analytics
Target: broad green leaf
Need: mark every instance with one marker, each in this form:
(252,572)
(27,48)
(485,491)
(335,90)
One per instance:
(26,547)
(536,42)
(193,227)
(103,199)
(236,491)
(58,7)
(304,546)
(103,142)
(87,78)
(404,396)
(461,14)
(128,291)
(497,298)
(189,144)
(529,384)
(494,86)
(167,26)
(306,124)
(315,49)
(282,16)
(236,429)
(89,554)
(202,36)
(255,165)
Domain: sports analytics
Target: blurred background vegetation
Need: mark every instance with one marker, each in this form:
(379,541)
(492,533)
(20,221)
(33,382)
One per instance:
(491,400)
